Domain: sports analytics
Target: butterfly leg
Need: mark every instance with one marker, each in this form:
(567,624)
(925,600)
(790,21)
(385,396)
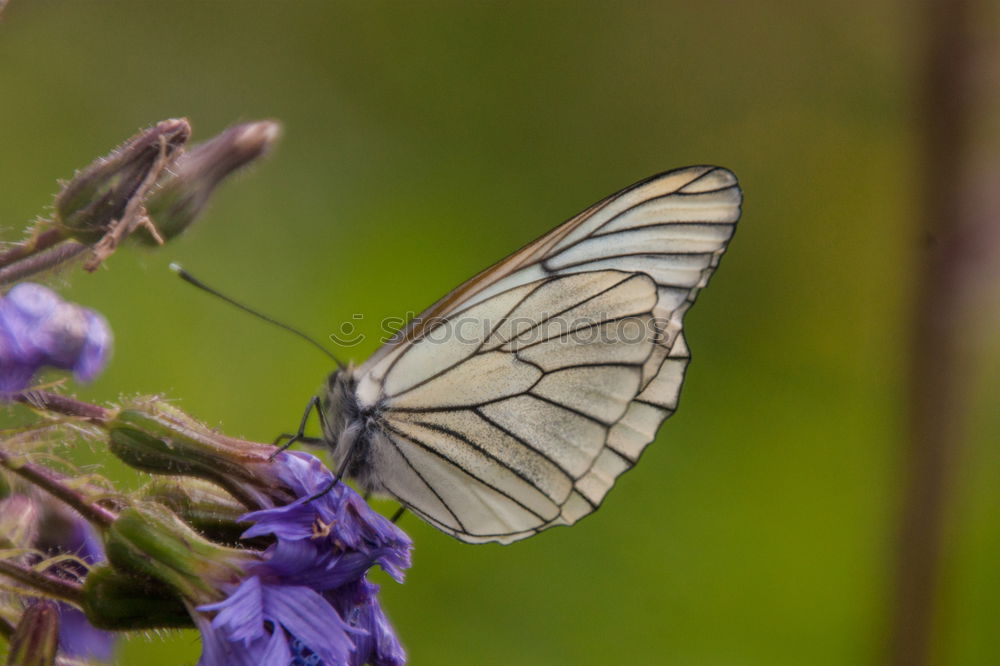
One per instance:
(300,435)
(303,439)
(333,482)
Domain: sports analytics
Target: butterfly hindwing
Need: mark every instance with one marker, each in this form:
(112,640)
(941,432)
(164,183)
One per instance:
(493,443)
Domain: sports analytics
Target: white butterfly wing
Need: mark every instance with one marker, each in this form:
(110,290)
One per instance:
(492,443)
(514,403)
(673,226)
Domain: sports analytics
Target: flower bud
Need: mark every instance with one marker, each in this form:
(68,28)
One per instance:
(184,193)
(38,328)
(98,195)
(36,638)
(159,438)
(147,540)
(120,602)
(204,506)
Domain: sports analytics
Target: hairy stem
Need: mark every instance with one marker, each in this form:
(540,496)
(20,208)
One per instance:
(60,404)
(42,261)
(34,245)
(54,484)
(47,585)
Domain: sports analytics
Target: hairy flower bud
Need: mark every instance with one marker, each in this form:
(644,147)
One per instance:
(184,193)
(36,638)
(147,540)
(99,194)
(203,505)
(121,602)
(156,437)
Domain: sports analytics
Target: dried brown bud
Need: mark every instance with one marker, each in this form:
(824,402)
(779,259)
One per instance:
(99,195)
(184,193)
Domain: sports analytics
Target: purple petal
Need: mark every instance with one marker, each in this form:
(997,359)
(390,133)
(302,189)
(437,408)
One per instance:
(14,375)
(309,586)
(213,645)
(241,616)
(27,304)
(38,328)
(292,521)
(278,651)
(349,523)
(83,540)
(307,563)
(217,650)
(287,559)
(96,348)
(65,531)
(257,613)
(305,614)
(378,644)
(79,638)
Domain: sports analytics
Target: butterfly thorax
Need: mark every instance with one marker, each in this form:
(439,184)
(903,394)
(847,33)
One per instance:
(347,428)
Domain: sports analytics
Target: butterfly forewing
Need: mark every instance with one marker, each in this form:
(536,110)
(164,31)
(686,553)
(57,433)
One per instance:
(698,204)
(513,403)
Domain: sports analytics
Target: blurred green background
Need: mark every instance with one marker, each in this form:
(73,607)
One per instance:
(424,141)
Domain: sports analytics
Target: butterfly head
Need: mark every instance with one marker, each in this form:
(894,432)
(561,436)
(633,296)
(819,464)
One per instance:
(338,403)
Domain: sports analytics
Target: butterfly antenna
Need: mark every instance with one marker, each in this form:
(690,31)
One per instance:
(190,279)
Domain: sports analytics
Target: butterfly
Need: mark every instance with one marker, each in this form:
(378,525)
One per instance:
(513,403)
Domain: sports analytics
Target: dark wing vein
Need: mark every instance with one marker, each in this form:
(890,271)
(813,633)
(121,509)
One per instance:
(628,276)
(438,454)
(420,476)
(499,461)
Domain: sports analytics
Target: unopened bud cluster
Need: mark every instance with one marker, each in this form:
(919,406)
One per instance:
(263,551)
(151,188)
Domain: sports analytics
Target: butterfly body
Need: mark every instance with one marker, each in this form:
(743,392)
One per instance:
(514,402)
(347,427)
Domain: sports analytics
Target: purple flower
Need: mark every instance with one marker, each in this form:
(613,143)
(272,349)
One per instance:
(358,604)
(77,637)
(50,530)
(257,623)
(307,600)
(38,328)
